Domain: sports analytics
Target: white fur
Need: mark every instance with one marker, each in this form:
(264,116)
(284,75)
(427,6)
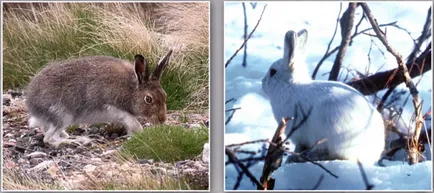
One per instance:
(56,136)
(353,128)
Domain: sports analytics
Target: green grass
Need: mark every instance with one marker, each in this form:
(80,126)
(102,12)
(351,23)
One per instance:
(60,31)
(166,143)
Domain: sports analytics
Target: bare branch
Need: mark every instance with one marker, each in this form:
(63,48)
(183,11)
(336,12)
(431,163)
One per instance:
(387,79)
(365,178)
(234,159)
(246,39)
(346,22)
(245,35)
(273,159)
(414,142)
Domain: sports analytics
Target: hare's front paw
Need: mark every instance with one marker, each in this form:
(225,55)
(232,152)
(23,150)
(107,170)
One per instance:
(73,141)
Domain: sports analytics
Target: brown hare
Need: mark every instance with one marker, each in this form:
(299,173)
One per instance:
(92,90)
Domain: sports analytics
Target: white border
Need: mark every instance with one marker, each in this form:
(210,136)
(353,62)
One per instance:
(209,95)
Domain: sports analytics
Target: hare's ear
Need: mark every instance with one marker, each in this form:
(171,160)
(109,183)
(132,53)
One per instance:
(156,74)
(289,48)
(141,68)
(302,36)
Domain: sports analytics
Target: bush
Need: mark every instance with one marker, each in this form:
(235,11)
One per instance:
(166,143)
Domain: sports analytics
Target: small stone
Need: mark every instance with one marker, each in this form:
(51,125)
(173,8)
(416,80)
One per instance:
(36,154)
(6,101)
(12,141)
(145,161)
(188,171)
(36,161)
(9,135)
(158,170)
(108,153)
(9,164)
(205,153)
(95,160)
(89,168)
(22,161)
(180,163)
(194,125)
(42,166)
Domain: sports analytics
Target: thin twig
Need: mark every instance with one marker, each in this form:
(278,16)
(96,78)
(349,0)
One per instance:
(232,115)
(247,142)
(245,41)
(245,35)
(365,178)
(233,109)
(346,22)
(387,79)
(318,182)
(234,159)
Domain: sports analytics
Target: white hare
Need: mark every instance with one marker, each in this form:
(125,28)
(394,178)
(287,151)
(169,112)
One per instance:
(354,129)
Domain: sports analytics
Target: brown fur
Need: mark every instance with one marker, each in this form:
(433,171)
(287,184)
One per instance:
(80,88)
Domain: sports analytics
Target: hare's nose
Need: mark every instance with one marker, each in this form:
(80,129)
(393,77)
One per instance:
(162,118)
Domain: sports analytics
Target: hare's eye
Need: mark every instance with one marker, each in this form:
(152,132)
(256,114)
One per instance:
(148,99)
(272,72)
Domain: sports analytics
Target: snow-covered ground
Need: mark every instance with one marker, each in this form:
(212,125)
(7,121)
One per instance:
(255,119)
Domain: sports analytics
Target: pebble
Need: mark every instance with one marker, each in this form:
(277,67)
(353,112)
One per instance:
(194,125)
(95,160)
(42,166)
(205,153)
(6,101)
(89,168)
(145,161)
(9,135)
(35,161)
(36,154)
(108,153)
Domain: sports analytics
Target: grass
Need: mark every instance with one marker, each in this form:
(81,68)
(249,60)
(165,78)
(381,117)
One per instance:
(13,179)
(37,33)
(166,143)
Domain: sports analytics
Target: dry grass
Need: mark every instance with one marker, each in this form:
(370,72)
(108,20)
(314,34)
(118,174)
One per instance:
(40,32)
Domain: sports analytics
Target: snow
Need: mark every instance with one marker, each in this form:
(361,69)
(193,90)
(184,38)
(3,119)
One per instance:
(255,119)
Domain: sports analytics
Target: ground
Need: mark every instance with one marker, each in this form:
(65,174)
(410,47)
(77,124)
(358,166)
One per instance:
(71,167)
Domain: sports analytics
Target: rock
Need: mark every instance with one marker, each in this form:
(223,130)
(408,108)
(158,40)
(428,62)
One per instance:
(180,163)
(14,93)
(22,161)
(158,171)
(145,161)
(194,125)
(205,153)
(12,141)
(108,153)
(42,166)
(9,164)
(95,160)
(9,135)
(6,101)
(35,161)
(188,171)
(36,154)
(89,168)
